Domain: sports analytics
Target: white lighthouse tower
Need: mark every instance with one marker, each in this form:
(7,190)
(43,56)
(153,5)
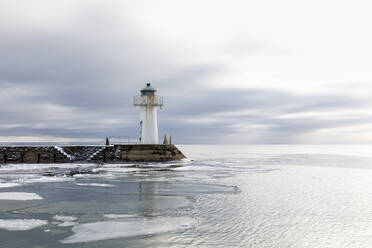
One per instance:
(148,103)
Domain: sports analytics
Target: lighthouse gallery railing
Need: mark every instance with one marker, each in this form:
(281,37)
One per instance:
(148,101)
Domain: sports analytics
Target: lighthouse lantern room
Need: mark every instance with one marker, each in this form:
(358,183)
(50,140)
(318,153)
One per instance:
(148,102)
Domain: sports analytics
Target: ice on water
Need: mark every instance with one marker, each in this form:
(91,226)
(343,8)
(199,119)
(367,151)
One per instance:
(65,221)
(65,218)
(21,224)
(222,196)
(96,184)
(19,196)
(9,185)
(120,216)
(119,229)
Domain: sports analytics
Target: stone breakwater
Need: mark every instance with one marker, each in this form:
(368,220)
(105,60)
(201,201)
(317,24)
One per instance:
(94,154)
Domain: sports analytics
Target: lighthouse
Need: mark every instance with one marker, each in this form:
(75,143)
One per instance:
(148,102)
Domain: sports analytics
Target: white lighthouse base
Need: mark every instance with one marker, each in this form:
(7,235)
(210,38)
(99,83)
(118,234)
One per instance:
(149,125)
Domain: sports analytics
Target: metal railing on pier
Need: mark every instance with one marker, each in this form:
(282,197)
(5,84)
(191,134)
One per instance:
(124,140)
(112,140)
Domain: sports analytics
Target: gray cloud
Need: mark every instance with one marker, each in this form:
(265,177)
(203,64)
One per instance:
(78,82)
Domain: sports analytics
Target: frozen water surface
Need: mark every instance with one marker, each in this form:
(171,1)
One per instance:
(96,184)
(9,185)
(64,218)
(64,221)
(119,216)
(221,196)
(114,229)
(19,196)
(21,225)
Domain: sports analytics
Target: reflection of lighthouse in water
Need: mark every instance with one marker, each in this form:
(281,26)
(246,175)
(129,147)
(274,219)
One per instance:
(148,102)
(148,196)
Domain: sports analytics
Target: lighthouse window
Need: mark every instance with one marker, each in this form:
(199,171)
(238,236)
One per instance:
(149,93)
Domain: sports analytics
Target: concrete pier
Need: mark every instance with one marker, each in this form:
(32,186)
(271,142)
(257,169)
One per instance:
(95,154)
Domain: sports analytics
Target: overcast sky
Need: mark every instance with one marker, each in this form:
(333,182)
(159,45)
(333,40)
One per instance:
(232,71)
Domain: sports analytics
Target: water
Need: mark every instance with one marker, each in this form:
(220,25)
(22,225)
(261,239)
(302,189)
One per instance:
(221,196)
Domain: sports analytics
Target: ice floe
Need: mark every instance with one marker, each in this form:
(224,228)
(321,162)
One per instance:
(9,185)
(119,216)
(37,167)
(21,179)
(104,230)
(67,223)
(45,180)
(117,169)
(19,196)
(21,224)
(95,184)
(66,220)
